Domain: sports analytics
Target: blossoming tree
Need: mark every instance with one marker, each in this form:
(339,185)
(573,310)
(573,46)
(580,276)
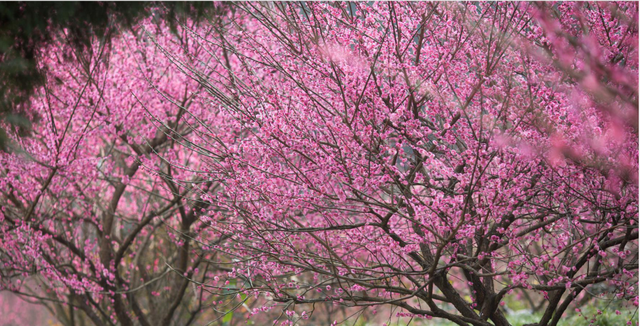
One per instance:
(431,159)
(91,203)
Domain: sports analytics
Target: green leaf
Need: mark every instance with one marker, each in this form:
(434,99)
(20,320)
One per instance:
(227,318)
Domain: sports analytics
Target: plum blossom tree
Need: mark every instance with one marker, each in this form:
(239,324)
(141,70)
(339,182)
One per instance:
(432,157)
(96,224)
(430,160)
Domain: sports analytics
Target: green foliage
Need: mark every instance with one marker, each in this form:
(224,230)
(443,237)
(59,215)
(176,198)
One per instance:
(592,316)
(227,318)
(589,316)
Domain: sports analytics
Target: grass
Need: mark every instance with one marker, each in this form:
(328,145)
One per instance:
(588,316)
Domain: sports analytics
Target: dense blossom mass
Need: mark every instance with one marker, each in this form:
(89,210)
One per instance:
(430,160)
